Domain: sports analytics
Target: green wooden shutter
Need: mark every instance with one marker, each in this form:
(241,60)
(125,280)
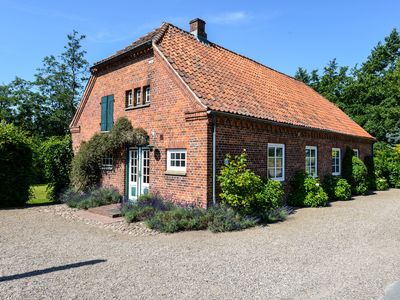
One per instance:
(103,123)
(110,112)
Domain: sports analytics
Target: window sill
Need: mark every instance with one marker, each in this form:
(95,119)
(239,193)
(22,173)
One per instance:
(175,173)
(137,106)
(106,169)
(278,179)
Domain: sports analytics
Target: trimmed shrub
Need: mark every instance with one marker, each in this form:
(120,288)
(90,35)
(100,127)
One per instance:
(239,185)
(222,218)
(387,163)
(165,216)
(94,198)
(245,191)
(145,208)
(336,188)
(179,219)
(355,172)
(329,185)
(86,165)
(56,154)
(277,215)
(359,177)
(371,177)
(342,190)
(347,166)
(381,184)
(306,191)
(270,197)
(15,166)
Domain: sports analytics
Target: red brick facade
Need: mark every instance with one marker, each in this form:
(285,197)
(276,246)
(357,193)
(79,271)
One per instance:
(173,120)
(176,118)
(235,135)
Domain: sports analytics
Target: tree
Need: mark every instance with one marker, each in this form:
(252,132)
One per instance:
(369,93)
(61,81)
(7,104)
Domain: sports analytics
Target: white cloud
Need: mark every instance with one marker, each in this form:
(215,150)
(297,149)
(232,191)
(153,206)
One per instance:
(229,17)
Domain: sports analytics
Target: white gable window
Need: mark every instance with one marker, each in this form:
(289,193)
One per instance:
(276,162)
(311,161)
(176,160)
(336,161)
(147,97)
(356,153)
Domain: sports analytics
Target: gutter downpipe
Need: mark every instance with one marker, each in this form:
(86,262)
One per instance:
(214,167)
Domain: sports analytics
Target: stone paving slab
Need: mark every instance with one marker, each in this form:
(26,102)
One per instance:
(87,214)
(112,210)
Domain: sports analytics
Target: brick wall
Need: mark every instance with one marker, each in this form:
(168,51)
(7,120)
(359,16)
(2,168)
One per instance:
(234,135)
(174,119)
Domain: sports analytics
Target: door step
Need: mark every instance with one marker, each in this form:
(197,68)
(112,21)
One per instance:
(112,210)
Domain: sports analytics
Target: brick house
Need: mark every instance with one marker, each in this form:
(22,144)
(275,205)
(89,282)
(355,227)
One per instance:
(199,101)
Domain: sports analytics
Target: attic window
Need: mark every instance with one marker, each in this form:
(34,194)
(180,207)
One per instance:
(147,96)
(138,97)
(129,98)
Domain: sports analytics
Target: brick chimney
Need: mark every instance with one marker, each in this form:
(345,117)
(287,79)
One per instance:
(198,29)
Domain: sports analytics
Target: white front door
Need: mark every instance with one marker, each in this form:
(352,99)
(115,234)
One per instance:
(139,172)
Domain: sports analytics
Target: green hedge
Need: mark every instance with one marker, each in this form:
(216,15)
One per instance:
(355,172)
(15,166)
(56,155)
(387,164)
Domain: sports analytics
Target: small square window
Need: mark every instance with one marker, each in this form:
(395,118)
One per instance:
(107,162)
(176,160)
(356,153)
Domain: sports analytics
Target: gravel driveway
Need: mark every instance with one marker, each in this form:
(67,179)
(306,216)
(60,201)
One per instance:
(350,250)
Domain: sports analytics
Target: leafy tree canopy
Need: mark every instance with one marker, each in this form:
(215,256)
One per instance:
(45,106)
(369,93)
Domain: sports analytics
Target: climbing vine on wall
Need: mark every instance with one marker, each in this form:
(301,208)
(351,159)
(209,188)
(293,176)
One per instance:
(86,165)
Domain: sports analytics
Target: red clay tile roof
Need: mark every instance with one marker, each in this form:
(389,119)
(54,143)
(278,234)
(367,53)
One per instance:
(228,82)
(225,81)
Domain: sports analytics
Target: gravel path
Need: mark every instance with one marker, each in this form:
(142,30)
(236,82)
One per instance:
(350,250)
(74,214)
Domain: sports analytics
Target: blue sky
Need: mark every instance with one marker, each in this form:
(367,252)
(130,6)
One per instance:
(281,34)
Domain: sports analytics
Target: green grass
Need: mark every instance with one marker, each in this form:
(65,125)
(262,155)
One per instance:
(39,195)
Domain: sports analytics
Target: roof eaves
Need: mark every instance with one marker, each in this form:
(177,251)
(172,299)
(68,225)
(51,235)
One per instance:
(272,122)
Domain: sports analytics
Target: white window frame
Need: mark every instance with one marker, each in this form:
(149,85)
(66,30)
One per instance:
(176,168)
(340,161)
(107,162)
(130,98)
(138,92)
(147,94)
(356,153)
(275,146)
(316,160)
